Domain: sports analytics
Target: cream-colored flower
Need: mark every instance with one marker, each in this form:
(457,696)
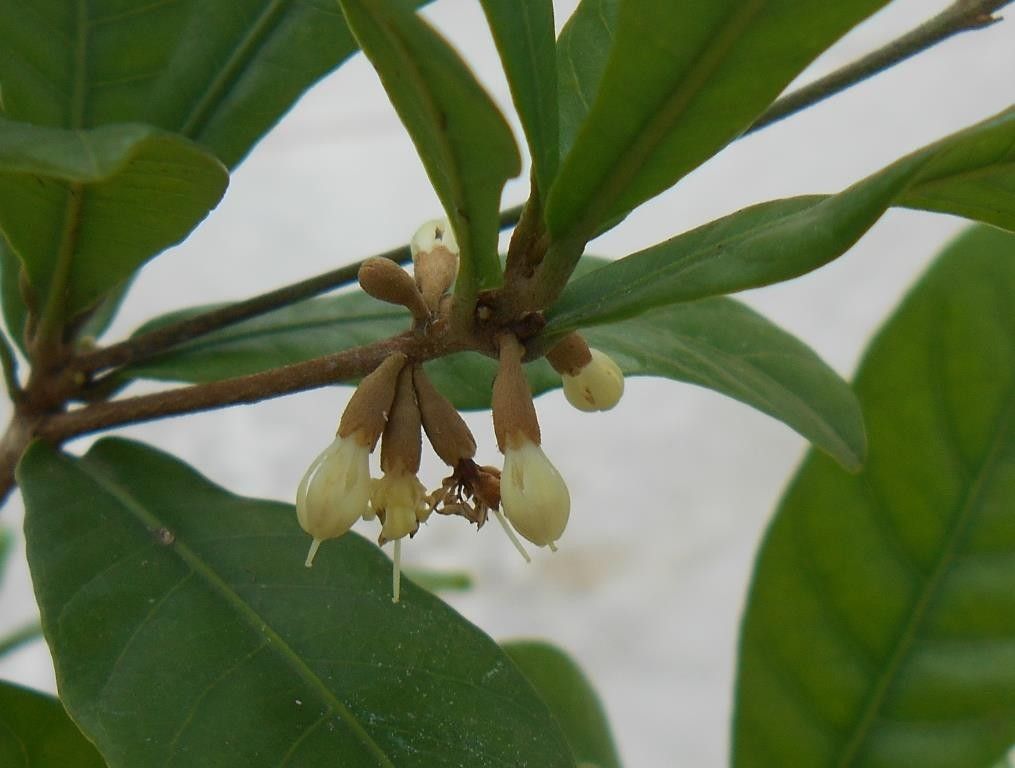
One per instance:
(335,491)
(596,387)
(533,494)
(399,498)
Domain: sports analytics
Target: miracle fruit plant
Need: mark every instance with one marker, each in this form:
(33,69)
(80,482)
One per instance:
(183,626)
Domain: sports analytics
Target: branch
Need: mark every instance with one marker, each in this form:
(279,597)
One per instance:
(960,16)
(19,637)
(319,372)
(152,343)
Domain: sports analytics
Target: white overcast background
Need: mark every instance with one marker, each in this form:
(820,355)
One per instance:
(671,490)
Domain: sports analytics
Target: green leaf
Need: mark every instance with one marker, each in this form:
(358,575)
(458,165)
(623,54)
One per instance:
(523,33)
(880,627)
(83,210)
(220,72)
(718,343)
(582,50)
(464,142)
(35,732)
(971,173)
(722,345)
(682,81)
(571,698)
(184,625)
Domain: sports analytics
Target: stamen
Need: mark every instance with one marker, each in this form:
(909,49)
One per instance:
(396,571)
(553,546)
(313,552)
(511,535)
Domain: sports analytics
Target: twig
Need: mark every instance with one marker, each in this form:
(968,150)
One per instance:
(961,16)
(319,372)
(9,363)
(152,343)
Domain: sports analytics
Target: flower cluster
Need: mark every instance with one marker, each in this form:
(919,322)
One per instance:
(397,403)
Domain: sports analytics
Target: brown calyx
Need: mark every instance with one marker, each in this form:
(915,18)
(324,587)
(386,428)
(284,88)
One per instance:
(447,431)
(366,414)
(435,272)
(514,414)
(570,355)
(402,443)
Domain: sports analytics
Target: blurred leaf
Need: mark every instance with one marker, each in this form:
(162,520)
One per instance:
(6,544)
(582,50)
(183,623)
(35,732)
(719,344)
(524,36)
(972,171)
(466,146)
(439,581)
(683,80)
(571,698)
(880,628)
(99,203)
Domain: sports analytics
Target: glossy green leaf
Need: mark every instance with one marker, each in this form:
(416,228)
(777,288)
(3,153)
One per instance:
(35,732)
(524,34)
(582,50)
(719,344)
(98,203)
(880,627)
(571,698)
(971,173)
(682,81)
(185,630)
(220,72)
(463,140)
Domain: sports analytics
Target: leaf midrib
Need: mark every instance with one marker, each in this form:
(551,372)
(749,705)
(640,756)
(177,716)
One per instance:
(653,131)
(248,615)
(929,592)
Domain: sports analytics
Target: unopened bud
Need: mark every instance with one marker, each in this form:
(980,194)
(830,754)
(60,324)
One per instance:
(533,495)
(385,280)
(596,387)
(447,431)
(435,260)
(368,407)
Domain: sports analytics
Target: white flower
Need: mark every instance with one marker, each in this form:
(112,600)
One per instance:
(432,235)
(596,387)
(533,494)
(335,491)
(400,498)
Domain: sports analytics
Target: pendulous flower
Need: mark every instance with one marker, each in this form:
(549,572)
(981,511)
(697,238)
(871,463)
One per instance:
(592,380)
(335,491)
(533,495)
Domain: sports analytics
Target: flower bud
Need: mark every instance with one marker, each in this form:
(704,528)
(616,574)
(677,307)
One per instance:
(596,387)
(335,491)
(385,280)
(533,494)
(435,260)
